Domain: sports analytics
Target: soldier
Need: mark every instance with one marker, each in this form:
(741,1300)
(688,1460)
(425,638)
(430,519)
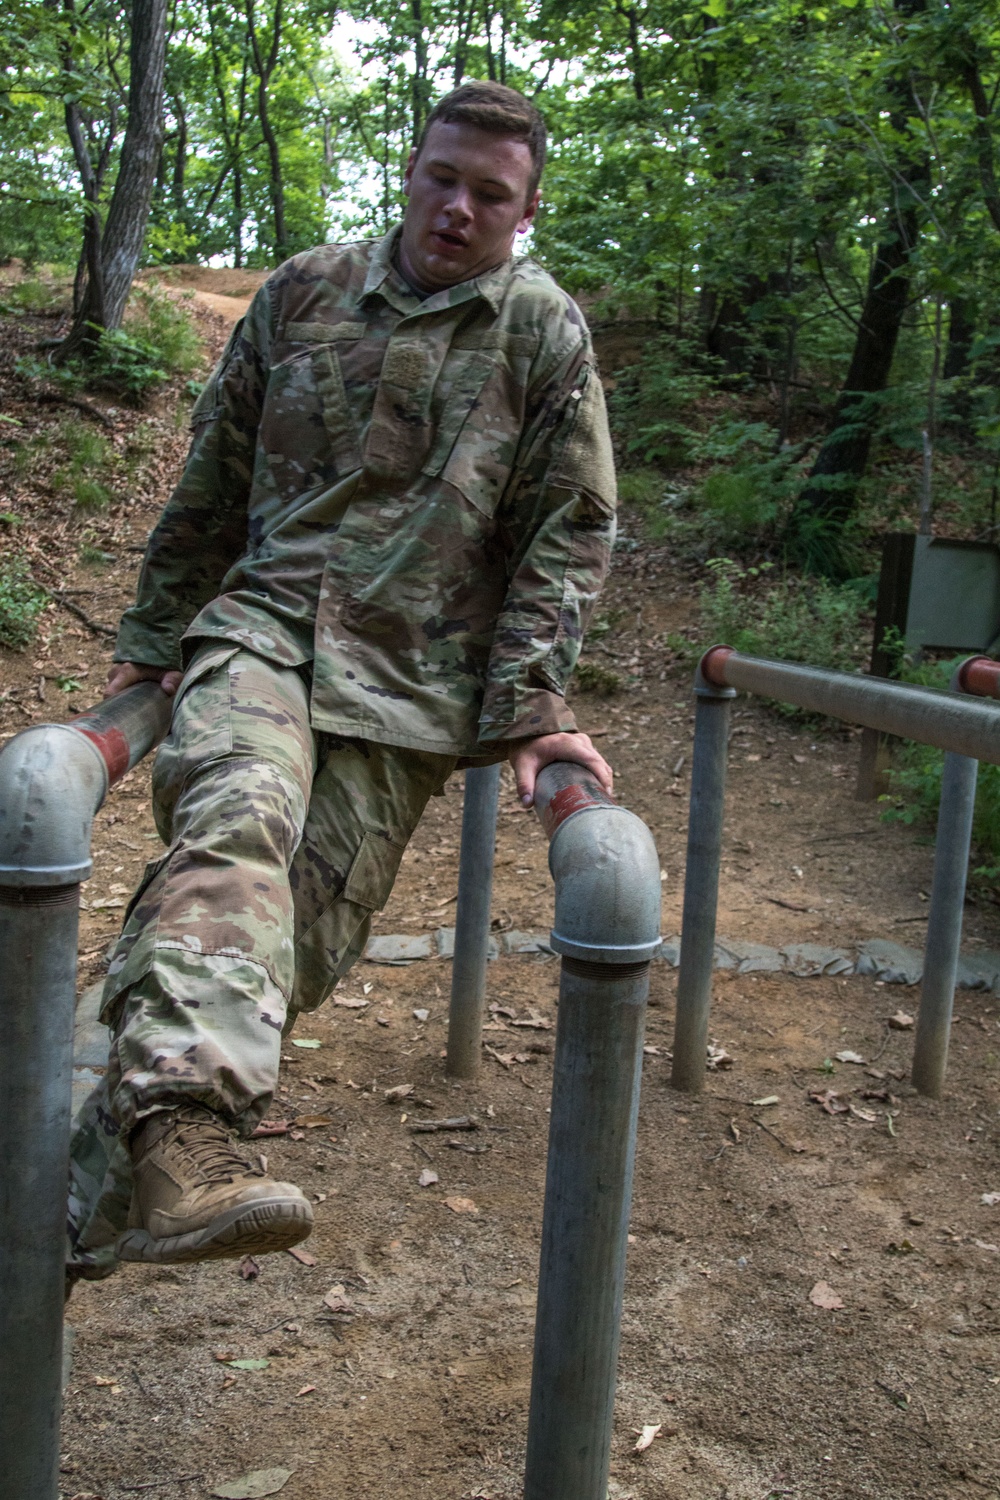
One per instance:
(394,521)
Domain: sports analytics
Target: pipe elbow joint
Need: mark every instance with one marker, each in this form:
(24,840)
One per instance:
(606,871)
(52,782)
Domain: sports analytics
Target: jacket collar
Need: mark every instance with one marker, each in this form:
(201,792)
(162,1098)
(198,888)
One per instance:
(383,277)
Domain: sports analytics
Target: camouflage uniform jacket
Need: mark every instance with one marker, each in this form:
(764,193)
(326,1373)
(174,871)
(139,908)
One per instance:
(415,495)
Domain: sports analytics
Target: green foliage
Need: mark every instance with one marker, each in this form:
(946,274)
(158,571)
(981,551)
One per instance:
(916,770)
(590,677)
(89,455)
(784,617)
(653,403)
(34,296)
(750,490)
(21,602)
(158,341)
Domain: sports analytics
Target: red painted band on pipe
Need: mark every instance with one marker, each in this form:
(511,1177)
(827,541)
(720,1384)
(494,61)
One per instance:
(573,799)
(980,675)
(713,665)
(113,748)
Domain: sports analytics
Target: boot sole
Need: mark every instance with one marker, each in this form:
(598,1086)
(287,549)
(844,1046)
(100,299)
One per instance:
(259,1227)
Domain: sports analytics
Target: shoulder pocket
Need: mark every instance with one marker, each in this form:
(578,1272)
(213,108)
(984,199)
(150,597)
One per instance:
(587,459)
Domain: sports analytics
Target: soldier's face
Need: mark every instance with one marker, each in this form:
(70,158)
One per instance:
(468,198)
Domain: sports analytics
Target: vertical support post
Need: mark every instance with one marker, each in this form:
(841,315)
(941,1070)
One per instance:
(472,921)
(944,923)
(38,940)
(588,1193)
(701,882)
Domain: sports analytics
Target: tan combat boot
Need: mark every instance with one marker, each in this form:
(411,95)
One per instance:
(196,1198)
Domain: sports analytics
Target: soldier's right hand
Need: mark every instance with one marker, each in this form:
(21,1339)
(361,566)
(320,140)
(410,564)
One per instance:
(125,674)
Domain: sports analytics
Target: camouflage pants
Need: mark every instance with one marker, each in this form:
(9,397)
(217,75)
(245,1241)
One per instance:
(281,845)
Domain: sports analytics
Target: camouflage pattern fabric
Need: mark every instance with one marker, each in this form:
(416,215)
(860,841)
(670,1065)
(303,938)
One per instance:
(416,495)
(282,843)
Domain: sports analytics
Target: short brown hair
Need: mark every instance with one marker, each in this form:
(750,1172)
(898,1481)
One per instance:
(498,109)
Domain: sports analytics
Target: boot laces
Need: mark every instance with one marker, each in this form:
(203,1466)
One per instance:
(206,1145)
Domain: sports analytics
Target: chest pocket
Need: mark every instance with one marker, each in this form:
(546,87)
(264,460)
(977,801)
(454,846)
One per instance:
(479,427)
(307,431)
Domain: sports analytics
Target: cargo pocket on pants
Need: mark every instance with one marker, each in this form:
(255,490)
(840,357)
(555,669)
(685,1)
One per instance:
(335,940)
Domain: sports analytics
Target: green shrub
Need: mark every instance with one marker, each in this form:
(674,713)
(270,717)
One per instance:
(652,403)
(790,618)
(591,678)
(155,319)
(751,488)
(89,455)
(34,296)
(915,772)
(157,341)
(21,602)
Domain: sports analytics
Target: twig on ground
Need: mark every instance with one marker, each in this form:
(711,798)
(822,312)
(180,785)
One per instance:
(159,1484)
(59,595)
(428,1127)
(57,398)
(774,1134)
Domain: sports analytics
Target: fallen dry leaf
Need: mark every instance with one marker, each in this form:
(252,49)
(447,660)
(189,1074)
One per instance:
(310,1043)
(990,1200)
(336,1301)
(849,1057)
(270,1127)
(428,1178)
(460,1205)
(249,1269)
(823,1295)
(647,1437)
(255,1485)
(306,1390)
(830,1101)
(352,1002)
(304,1257)
(767,1099)
(401,1091)
(901,1021)
(718,1058)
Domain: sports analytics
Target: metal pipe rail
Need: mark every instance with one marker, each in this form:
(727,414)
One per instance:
(53,779)
(607,930)
(968,731)
(472,921)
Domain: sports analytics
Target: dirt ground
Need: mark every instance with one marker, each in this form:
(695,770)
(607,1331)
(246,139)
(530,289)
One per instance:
(418,1386)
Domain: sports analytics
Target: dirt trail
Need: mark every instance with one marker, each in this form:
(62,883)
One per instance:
(741,1209)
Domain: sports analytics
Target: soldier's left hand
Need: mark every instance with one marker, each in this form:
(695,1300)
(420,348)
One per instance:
(529,756)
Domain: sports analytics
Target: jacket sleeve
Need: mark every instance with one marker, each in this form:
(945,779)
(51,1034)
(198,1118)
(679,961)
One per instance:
(561,522)
(203,528)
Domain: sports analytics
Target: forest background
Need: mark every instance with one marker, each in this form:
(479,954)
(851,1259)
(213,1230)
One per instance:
(783,219)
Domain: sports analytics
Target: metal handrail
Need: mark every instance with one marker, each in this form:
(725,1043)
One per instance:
(607,930)
(967,730)
(53,780)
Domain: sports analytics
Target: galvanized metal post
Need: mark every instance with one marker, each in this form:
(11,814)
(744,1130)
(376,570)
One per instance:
(588,1195)
(701,882)
(53,778)
(944,923)
(606,929)
(472,921)
(38,940)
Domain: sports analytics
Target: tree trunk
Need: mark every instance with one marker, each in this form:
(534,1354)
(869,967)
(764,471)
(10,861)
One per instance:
(826,505)
(961,332)
(265,67)
(110,272)
(419,90)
